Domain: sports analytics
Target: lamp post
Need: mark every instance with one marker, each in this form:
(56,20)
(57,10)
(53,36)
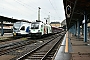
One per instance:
(39,13)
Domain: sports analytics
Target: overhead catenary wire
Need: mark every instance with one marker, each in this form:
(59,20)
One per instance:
(33,8)
(28,6)
(35,4)
(53,8)
(23,4)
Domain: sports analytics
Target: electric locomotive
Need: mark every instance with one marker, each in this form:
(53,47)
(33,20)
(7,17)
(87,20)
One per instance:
(39,29)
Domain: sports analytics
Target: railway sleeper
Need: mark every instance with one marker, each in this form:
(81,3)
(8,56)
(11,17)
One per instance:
(35,57)
(31,59)
(40,53)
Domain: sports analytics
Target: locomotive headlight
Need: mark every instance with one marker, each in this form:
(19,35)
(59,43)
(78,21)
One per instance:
(38,30)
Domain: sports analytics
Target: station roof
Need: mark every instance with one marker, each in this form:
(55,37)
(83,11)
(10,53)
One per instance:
(78,7)
(2,18)
(7,24)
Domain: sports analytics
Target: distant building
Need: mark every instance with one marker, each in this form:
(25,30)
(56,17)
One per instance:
(7,25)
(63,23)
(55,24)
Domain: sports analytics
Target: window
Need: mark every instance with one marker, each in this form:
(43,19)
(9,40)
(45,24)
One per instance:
(22,28)
(34,25)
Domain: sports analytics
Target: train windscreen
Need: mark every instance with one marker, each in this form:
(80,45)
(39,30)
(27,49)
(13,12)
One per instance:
(35,25)
(16,25)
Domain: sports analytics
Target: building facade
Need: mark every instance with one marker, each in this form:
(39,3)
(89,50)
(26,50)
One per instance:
(55,24)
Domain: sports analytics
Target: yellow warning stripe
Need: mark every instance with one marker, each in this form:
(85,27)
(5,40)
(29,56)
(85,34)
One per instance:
(66,47)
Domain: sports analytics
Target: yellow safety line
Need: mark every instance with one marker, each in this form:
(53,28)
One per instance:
(66,47)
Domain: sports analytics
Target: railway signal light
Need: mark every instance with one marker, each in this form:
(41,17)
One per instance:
(68,11)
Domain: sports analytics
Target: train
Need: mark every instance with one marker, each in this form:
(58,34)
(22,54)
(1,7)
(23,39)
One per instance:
(21,28)
(39,29)
(34,29)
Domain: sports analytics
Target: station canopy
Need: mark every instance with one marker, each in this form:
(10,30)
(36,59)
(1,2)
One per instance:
(2,18)
(78,9)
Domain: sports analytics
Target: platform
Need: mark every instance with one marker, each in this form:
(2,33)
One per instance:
(6,36)
(61,54)
(81,49)
(77,49)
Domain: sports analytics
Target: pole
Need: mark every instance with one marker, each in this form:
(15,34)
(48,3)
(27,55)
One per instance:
(2,32)
(39,13)
(85,27)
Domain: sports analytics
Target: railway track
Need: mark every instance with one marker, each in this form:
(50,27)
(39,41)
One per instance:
(4,39)
(45,51)
(23,48)
(12,46)
(6,48)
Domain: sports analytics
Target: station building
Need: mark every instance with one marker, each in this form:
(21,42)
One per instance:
(55,24)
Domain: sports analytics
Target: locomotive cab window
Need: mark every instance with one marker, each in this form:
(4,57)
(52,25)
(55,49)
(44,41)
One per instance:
(14,28)
(34,25)
(22,28)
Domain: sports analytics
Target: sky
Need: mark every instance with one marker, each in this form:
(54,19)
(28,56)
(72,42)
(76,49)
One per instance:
(28,9)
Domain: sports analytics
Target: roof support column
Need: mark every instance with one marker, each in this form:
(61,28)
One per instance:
(78,29)
(2,32)
(75,31)
(85,27)
(71,30)
(82,29)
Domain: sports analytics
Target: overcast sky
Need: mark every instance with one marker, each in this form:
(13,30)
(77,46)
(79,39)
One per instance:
(28,9)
